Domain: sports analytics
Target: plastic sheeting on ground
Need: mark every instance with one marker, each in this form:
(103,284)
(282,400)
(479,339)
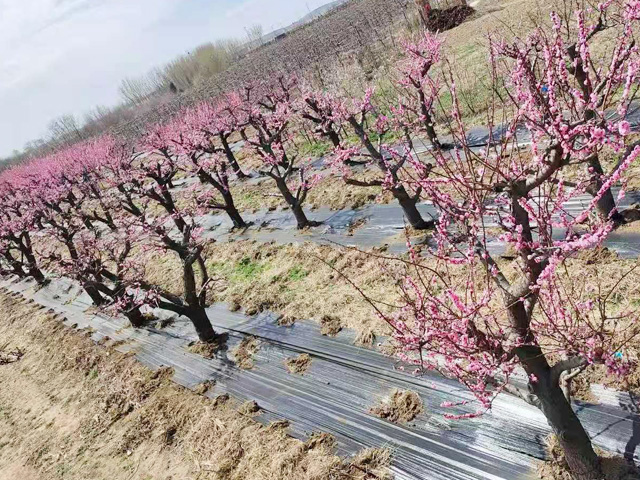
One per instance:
(343,382)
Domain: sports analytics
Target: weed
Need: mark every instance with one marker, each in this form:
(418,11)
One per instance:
(247,269)
(314,149)
(297,273)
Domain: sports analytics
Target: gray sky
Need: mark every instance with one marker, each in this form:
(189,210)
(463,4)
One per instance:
(67,56)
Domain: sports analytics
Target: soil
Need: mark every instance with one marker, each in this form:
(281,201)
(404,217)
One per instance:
(440,20)
(286,321)
(245,352)
(556,468)
(204,387)
(298,365)
(402,406)
(75,410)
(330,325)
(249,408)
(320,440)
(598,255)
(210,349)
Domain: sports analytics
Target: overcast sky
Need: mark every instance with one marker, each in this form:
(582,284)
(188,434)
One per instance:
(67,56)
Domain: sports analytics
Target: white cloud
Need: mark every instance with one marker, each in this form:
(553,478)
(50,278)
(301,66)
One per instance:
(67,56)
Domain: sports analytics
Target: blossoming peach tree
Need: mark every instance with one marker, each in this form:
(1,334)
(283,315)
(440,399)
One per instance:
(17,224)
(142,188)
(375,128)
(485,321)
(187,141)
(98,208)
(270,114)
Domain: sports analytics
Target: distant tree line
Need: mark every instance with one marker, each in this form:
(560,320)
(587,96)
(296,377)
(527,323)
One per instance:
(152,89)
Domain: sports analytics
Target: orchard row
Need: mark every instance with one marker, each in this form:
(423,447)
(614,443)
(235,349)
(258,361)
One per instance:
(96,210)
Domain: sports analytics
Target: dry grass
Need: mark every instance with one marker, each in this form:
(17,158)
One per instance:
(298,365)
(290,280)
(556,468)
(402,406)
(8,356)
(75,410)
(301,281)
(331,192)
(204,387)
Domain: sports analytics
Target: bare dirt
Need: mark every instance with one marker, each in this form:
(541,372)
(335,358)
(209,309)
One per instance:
(74,410)
(210,349)
(401,407)
(556,468)
(298,365)
(440,20)
(245,352)
(330,325)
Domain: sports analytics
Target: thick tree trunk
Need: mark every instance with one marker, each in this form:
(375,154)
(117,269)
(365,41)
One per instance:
(91,290)
(294,205)
(574,440)
(14,265)
(94,294)
(233,212)
(334,137)
(32,264)
(136,318)
(195,311)
(301,217)
(236,218)
(202,324)
(17,270)
(231,158)
(36,273)
(411,212)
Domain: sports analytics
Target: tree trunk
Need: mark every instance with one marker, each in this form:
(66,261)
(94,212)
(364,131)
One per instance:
(135,317)
(37,274)
(195,311)
(429,125)
(409,206)
(17,270)
(202,324)
(294,204)
(93,292)
(606,204)
(301,217)
(32,264)
(231,158)
(334,137)
(233,212)
(571,435)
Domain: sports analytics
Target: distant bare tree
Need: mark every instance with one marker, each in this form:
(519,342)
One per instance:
(65,130)
(137,90)
(255,34)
